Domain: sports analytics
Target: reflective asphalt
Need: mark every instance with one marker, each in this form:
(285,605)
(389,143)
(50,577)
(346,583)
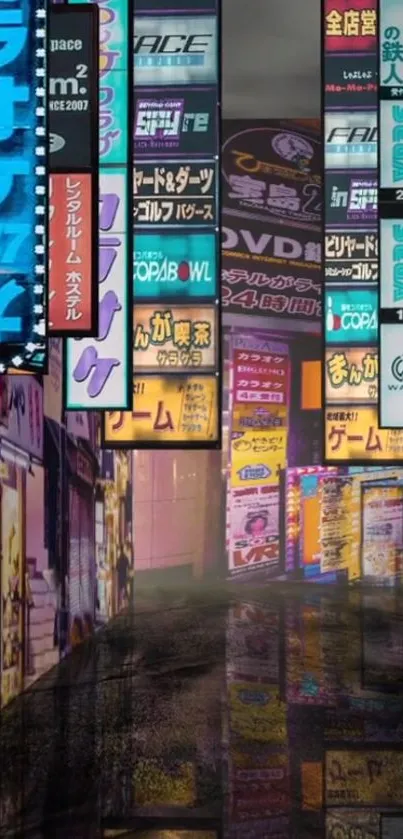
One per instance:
(245,714)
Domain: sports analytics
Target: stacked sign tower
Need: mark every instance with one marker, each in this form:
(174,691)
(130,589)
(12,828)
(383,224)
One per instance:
(176,164)
(390,105)
(353,433)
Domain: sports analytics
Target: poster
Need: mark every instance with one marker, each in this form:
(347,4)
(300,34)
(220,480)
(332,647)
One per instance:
(382,536)
(351,315)
(254,523)
(174,339)
(174,410)
(354,436)
(12,604)
(257,457)
(335,523)
(23,198)
(372,778)
(351,376)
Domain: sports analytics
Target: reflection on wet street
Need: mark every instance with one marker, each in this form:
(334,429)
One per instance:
(279,715)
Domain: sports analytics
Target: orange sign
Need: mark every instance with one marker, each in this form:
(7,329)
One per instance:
(70,255)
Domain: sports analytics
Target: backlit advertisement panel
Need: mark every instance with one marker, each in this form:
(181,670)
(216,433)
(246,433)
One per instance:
(351,376)
(97,371)
(351,315)
(23,196)
(351,139)
(175,194)
(175,265)
(172,410)
(351,200)
(351,257)
(351,80)
(71,254)
(177,339)
(180,121)
(354,435)
(391,376)
(350,26)
(175,50)
(391,145)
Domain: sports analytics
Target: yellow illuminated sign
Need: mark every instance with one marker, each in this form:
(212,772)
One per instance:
(180,338)
(173,409)
(247,416)
(351,376)
(353,435)
(370,777)
(257,457)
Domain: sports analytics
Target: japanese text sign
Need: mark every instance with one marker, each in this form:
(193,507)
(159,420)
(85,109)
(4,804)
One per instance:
(351,376)
(350,26)
(97,369)
(173,410)
(353,435)
(71,257)
(351,257)
(73,87)
(175,265)
(260,377)
(175,194)
(177,339)
(391,46)
(257,457)
(23,185)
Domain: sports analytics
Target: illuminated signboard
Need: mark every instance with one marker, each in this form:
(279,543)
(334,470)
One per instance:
(98,370)
(181,339)
(23,194)
(351,315)
(390,111)
(168,411)
(176,234)
(175,194)
(73,160)
(353,434)
(350,140)
(351,376)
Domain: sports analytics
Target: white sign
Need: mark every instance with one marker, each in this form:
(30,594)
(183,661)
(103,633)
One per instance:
(24,425)
(97,369)
(391,376)
(351,140)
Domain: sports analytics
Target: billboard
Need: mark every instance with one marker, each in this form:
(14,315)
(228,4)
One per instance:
(169,411)
(24,192)
(72,256)
(175,265)
(180,121)
(175,50)
(97,372)
(175,194)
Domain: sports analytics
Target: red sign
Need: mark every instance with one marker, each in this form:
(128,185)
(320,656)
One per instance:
(260,377)
(350,26)
(70,256)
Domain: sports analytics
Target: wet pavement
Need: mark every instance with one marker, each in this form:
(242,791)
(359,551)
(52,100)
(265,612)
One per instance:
(253,714)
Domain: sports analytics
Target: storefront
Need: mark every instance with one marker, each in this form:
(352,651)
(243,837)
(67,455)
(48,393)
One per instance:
(21,452)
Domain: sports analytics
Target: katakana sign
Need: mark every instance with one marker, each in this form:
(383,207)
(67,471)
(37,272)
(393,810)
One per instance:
(173,194)
(174,339)
(353,436)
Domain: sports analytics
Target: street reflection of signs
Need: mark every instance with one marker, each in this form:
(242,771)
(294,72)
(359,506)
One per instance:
(353,824)
(260,377)
(352,376)
(351,257)
(175,193)
(174,339)
(257,713)
(154,786)
(172,409)
(257,457)
(354,435)
(368,778)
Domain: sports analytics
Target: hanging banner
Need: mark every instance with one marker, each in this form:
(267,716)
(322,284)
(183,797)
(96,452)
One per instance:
(254,523)
(382,532)
(172,411)
(72,254)
(24,193)
(97,373)
(179,339)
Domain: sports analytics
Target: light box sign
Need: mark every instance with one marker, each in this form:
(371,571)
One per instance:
(391,263)
(23,190)
(351,376)
(391,146)
(98,370)
(351,200)
(352,434)
(175,50)
(175,265)
(351,257)
(391,375)
(350,27)
(177,339)
(175,193)
(351,140)
(257,457)
(351,315)
(169,411)
(179,121)
(71,253)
